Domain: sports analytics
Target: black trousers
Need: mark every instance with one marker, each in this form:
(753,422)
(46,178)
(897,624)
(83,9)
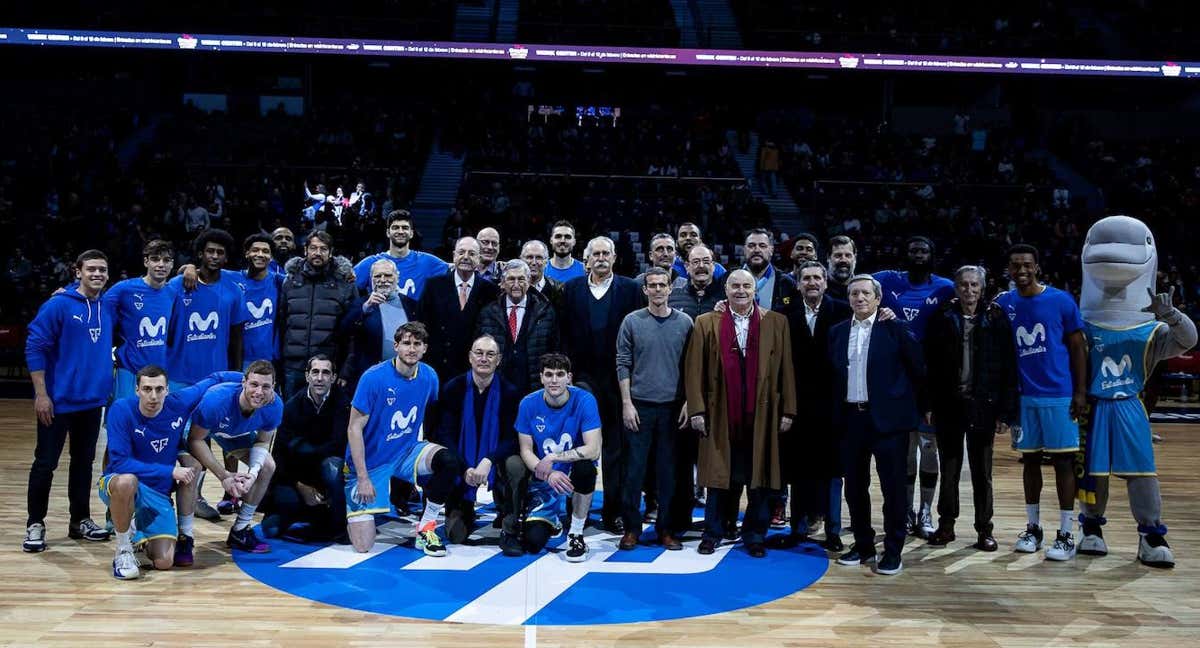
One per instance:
(655,439)
(612,434)
(863,441)
(83,427)
(964,419)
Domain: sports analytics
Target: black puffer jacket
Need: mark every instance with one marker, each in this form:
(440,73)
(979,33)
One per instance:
(994,366)
(538,336)
(314,301)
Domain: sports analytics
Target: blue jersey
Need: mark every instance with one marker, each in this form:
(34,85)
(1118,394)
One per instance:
(412,271)
(1040,327)
(914,304)
(396,407)
(148,447)
(259,338)
(220,413)
(557,429)
(1117,359)
(141,314)
(563,276)
(199,326)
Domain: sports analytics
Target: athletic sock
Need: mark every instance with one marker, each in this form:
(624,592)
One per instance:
(432,511)
(124,541)
(245,516)
(187,525)
(577,525)
(1066,520)
(1034,515)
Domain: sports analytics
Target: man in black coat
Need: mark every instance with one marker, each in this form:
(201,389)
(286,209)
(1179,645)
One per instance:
(310,449)
(523,323)
(812,460)
(593,308)
(973,393)
(475,413)
(315,297)
(878,369)
(449,307)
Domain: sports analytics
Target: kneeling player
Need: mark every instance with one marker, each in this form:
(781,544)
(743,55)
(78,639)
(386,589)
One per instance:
(385,417)
(558,428)
(145,432)
(242,419)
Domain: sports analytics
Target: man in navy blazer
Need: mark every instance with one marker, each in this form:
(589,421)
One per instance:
(372,322)
(878,368)
(593,307)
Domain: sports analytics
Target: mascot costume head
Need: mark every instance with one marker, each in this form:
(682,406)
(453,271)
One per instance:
(1120,264)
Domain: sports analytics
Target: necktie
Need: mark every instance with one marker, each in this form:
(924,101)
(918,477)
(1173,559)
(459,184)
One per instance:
(512,322)
(462,296)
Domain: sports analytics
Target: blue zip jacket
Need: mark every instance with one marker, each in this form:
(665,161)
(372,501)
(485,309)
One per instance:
(71,340)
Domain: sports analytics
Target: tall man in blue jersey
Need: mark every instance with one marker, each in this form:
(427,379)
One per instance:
(413,268)
(386,416)
(915,294)
(558,430)
(141,308)
(242,419)
(563,267)
(145,434)
(1052,362)
(260,292)
(69,353)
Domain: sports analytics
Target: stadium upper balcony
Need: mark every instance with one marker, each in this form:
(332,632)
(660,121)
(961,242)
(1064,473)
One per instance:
(648,23)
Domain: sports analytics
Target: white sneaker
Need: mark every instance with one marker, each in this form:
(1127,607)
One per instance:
(1029,540)
(925,523)
(125,566)
(1153,551)
(1063,547)
(1093,545)
(35,538)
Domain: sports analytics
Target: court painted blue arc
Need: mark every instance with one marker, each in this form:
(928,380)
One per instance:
(381,585)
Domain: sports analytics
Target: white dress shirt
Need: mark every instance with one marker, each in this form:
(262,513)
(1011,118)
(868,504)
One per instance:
(598,289)
(741,327)
(856,353)
(810,317)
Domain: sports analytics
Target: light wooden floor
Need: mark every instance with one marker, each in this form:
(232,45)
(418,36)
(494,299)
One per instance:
(951,596)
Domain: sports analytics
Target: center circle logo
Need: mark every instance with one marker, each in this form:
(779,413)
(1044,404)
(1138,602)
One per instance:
(476,584)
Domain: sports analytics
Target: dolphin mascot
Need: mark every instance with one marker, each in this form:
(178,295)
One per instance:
(1130,328)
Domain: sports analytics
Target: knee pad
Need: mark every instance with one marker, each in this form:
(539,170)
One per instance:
(536,535)
(583,477)
(447,460)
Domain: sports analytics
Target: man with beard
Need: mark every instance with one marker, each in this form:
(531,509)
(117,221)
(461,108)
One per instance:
(774,289)
(450,304)
(523,325)
(260,290)
(314,300)
(915,294)
(242,419)
(373,320)
(535,254)
(489,249)
(413,268)
(741,397)
(562,266)
(593,307)
(843,263)
(141,307)
(812,461)
(688,236)
(282,248)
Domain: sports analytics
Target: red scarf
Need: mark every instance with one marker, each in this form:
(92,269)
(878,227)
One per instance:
(740,391)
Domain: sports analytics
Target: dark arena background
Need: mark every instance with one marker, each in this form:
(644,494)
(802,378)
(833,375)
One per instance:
(934,137)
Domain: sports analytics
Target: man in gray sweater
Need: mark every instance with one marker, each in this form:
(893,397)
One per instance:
(650,345)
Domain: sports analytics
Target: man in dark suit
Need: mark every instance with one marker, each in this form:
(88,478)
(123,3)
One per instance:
(372,321)
(593,308)
(535,255)
(450,306)
(523,323)
(812,459)
(878,367)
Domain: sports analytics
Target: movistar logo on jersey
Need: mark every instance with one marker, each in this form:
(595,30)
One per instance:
(932,301)
(408,288)
(199,326)
(261,309)
(474,584)
(1031,341)
(549,446)
(176,423)
(1116,374)
(152,332)
(402,423)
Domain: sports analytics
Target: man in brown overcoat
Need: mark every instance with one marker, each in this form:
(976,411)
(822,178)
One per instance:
(741,395)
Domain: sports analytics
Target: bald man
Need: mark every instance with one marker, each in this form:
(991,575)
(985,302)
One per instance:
(489,250)
(449,306)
